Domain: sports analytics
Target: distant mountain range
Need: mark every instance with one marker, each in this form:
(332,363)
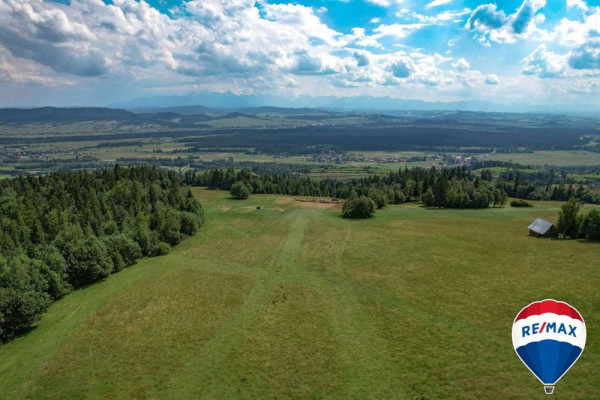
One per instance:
(196,110)
(229,100)
(197,116)
(183,114)
(64,114)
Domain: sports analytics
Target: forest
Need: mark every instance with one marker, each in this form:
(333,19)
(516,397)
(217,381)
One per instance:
(544,185)
(63,231)
(457,187)
(575,225)
(300,131)
(443,188)
(313,140)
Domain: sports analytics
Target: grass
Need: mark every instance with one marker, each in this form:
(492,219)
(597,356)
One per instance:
(291,301)
(559,158)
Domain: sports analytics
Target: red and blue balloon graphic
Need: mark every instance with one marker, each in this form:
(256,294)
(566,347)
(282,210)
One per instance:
(549,336)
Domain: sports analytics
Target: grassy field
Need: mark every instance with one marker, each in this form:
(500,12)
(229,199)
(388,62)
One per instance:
(164,151)
(291,301)
(560,158)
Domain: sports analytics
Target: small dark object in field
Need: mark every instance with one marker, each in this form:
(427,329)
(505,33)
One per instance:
(258,208)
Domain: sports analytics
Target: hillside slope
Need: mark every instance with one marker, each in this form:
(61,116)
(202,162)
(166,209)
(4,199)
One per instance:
(291,301)
(54,114)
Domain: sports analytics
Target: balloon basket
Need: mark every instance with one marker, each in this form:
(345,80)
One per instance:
(549,389)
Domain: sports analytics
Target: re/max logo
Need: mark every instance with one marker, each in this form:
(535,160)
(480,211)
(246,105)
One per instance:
(553,327)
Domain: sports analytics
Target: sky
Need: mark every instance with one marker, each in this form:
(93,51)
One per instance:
(94,52)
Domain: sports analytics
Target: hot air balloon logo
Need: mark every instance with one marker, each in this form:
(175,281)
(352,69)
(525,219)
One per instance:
(549,336)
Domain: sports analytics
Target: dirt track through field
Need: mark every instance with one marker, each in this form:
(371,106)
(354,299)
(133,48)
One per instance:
(218,350)
(359,345)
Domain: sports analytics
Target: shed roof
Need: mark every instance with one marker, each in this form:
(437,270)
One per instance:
(540,226)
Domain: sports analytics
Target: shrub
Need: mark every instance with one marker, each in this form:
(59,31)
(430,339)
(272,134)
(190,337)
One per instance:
(520,203)
(22,300)
(239,191)
(399,197)
(161,248)
(87,262)
(123,250)
(189,223)
(53,267)
(359,207)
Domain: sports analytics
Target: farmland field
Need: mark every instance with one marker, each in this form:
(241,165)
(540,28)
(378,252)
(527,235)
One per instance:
(560,158)
(291,301)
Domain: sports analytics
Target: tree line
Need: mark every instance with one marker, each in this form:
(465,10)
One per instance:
(544,185)
(66,230)
(572,224)
(449,187)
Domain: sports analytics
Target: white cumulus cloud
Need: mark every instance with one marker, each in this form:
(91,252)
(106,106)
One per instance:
(492,24)
(385,3)
(492,79)
(578,4)
(461,65)
(544,63)
(436,3)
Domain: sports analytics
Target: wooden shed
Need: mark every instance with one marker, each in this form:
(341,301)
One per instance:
(542,228)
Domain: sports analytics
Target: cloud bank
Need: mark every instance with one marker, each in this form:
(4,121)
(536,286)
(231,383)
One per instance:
(257,46)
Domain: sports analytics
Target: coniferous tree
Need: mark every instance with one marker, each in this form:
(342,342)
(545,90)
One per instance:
(67,230)
(451,188)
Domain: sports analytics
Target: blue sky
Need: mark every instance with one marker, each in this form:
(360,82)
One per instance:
(94,52)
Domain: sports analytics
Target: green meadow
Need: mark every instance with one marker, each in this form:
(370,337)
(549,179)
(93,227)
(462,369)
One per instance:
(558,158)
(290,301)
